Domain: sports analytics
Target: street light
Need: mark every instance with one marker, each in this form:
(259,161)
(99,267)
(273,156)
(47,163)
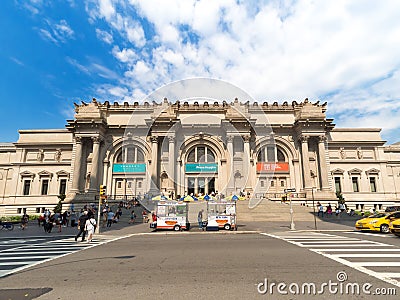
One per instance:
(315,218)
(290,191)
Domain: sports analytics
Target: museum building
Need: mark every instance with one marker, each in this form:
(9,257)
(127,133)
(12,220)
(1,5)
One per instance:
(200,147)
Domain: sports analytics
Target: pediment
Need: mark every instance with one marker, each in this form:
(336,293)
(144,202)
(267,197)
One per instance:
(354,171)
(337,171)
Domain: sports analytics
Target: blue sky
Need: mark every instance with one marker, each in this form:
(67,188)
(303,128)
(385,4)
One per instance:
(54,53)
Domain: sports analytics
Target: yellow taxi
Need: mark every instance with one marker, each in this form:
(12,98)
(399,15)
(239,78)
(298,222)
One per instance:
(394,227)
(377,222)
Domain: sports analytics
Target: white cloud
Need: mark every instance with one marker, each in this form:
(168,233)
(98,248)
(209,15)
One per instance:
(104,36)
(57,33)
(344,52)
(124,55)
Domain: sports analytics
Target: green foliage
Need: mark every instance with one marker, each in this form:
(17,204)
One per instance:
(11,219)
(340,198)
(58,208)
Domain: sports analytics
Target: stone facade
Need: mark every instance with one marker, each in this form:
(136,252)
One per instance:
(259,149)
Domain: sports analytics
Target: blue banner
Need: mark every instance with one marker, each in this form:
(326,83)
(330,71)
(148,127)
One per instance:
(129,168)
(201,168)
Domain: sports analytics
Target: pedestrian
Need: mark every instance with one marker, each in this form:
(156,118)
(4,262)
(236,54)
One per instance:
(24,221)
(329,210)
(110,218)
(90,227)
(81,226)
(144,216)
(133,217)
(200,218)
(320,209)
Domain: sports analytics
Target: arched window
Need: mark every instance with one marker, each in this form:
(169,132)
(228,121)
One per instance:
(130,154)
(202,154)
(270,154)
(280,155)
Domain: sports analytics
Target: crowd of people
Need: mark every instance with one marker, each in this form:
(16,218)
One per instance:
(329,211)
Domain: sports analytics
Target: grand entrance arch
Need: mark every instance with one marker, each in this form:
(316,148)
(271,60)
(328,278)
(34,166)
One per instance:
(203,166)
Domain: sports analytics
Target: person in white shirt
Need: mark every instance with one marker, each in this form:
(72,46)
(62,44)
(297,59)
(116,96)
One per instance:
(90,227)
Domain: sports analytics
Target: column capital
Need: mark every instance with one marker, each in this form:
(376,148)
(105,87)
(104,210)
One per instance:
(78,139)
(246,138)
(154,138)
(321,138)
(304,138)
(229,138)
(96,139)
(171,139)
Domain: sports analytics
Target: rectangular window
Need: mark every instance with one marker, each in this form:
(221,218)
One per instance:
(262,183)
(354,181)
(19,210)
(372,184)
(338,185)
(63,186)
(272,183)
(27,187)
(139,184)
(282,183)
(37,210)
(119,184)
(45,186)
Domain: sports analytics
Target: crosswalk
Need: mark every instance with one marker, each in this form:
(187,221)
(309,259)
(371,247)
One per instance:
(377,259)
(19,254)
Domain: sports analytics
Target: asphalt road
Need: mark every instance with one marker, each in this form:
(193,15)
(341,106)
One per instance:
(193,265)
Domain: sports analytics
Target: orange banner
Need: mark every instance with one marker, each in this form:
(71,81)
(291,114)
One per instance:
(270,167)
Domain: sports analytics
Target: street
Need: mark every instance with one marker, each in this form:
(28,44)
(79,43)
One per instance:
(220,265)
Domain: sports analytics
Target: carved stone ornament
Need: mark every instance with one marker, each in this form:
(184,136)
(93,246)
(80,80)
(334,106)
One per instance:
(322,138)
(57,155)
(154,139)
(96,139)
(342,153)
(40,155)
(359,153)
(171,138)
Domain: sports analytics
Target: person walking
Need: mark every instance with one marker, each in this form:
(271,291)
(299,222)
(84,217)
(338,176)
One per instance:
(200,218)
(133,217)
(110,218)
(320,209)
(90,227)
(24,221)
(81,225)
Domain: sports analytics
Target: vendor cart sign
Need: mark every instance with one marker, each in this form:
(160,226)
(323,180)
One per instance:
(201,168)
(270,167)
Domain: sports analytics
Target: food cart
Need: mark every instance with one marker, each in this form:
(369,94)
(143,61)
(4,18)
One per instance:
(221,215)
(171,215)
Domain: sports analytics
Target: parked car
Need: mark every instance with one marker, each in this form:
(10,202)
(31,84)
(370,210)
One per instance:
(392,208)
(377,222)
(394,227)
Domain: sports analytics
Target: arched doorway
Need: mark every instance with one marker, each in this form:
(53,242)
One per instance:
(201,170)
(272,169)
(129,172)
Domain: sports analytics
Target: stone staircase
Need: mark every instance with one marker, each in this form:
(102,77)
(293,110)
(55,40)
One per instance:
(270,211)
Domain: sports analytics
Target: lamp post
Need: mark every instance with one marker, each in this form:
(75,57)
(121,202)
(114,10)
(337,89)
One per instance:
(315,218)
(290,191)
(292,227)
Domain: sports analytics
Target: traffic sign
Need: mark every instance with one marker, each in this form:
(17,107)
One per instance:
(290,190)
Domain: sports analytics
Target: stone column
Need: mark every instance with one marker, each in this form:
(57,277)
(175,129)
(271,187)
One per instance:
(323,168)
(77,165)
(172,162)
(154,158)
(229,140)
(94,173)
(246,161)
(305,159)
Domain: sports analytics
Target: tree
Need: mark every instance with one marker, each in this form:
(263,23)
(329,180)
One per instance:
(340,197)
(58,208)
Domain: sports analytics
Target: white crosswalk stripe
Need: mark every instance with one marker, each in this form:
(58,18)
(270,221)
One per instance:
(374,255)
(18,256)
